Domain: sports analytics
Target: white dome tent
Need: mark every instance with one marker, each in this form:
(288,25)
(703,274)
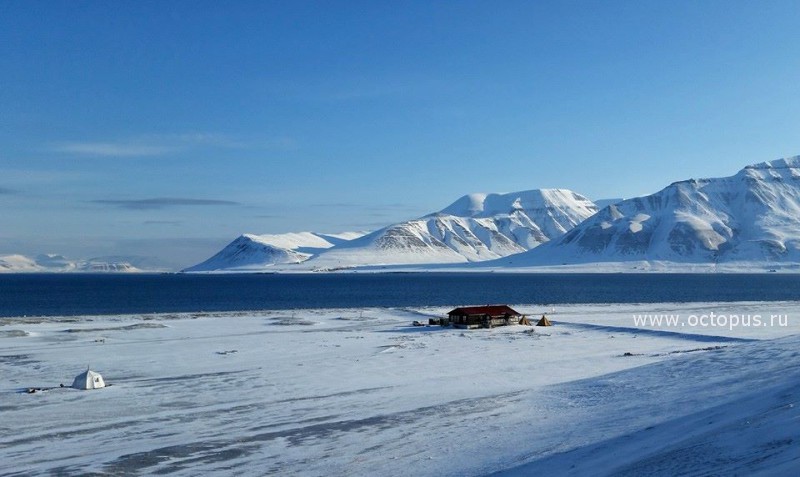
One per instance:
(88,380)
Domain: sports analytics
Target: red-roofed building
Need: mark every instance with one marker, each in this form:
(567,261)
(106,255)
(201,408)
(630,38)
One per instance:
(484,316)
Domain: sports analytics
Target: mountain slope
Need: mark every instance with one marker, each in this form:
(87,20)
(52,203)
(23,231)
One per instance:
(476,227)
(753,216)
(18,263)
(59,263)
(255,252)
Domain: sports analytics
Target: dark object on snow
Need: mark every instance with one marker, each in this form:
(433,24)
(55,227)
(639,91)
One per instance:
(483,316)
(36,390)
(544,322)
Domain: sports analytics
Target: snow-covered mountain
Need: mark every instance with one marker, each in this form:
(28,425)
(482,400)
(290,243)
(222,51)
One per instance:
(255,252)
(753,216)
(476,227)
(59,263)
(18,264)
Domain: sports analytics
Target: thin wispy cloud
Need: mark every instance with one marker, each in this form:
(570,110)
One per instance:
(163,203)
(110,149)
(162,222)
(393,207)
(337,205)
(28,177)
(193,139)
(163,144)
(351,89)
(376,207)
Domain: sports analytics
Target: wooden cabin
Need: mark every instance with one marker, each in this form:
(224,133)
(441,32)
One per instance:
(484,316)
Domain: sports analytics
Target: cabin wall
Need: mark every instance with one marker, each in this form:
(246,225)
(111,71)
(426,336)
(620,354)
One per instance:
(476,321)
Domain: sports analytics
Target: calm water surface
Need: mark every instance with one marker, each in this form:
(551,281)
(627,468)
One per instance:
(79,294)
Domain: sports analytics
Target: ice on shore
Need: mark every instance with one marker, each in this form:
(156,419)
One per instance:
(362,392)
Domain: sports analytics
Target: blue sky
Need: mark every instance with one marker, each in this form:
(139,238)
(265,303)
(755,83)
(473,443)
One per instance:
(166,129)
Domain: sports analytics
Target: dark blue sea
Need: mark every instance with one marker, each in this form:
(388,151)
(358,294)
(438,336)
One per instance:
(80,294)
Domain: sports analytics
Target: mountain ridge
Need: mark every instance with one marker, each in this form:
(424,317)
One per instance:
(53,263)
(751,216)
(475,227)
(250,252)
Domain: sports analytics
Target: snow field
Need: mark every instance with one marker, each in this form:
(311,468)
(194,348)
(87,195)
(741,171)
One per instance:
(361,392)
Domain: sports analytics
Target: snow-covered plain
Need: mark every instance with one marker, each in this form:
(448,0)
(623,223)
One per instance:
(361,392)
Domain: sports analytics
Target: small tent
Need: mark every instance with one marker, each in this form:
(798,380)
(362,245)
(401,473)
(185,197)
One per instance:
(88,380)
(544,322)
(524,321)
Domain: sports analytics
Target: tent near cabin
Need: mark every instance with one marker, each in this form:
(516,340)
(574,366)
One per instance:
(88,380)
(544,322)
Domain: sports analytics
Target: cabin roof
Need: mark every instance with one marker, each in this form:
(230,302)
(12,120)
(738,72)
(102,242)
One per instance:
(491,310)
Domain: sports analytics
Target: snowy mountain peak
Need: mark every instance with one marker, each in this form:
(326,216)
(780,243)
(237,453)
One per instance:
(51,263)
(752,216)
(476,227)
(490,205)
(467,206)
(290,241)
(250,252)
(781,169)
(784,163)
